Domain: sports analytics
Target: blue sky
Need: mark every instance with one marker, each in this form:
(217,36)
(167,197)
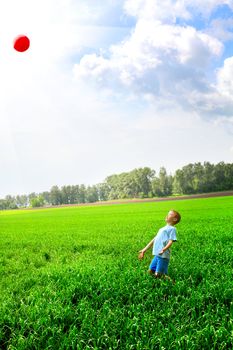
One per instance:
(108,86)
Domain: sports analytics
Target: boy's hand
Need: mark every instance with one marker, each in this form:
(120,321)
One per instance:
(161,252)
(141,254)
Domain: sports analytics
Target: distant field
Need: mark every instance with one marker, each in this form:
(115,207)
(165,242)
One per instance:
(70,278)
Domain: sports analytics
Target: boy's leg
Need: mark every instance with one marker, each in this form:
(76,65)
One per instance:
(158,275)
(162,275)
(162,268)
(153,266)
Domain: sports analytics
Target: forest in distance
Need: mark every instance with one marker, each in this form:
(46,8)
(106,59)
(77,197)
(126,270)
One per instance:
(139,183)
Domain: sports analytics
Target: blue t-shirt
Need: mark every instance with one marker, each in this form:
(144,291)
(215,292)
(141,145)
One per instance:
(164,235)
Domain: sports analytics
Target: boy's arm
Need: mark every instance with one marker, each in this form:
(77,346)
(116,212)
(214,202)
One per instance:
(142,252)
(166,247)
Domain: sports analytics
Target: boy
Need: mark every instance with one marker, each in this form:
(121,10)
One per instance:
(161,244)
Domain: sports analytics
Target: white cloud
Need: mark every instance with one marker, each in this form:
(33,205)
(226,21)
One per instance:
(164,60)
(154,54)
(205,8)
(225,78)
(221,29)
(226,123)
(153,9)
(170,10)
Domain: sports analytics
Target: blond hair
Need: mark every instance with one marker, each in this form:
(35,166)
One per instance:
(178,216)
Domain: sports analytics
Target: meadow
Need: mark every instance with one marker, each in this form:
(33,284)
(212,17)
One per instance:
(71,279)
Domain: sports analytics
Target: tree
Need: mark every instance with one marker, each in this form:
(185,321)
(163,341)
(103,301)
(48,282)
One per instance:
(112,182)
(47,197)
(162,185)
(10,202)
(22,201)
(37,202)
(66,194)
(75,194)
(198,178)
(103,191)
(209,177)
(32,195)
(55,195)
(136,183)
(140,181)
(3,204)
(219,175)
(92,194)
(82,194)
(184,180)
(228,172)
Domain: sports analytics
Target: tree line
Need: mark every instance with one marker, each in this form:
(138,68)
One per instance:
(138,183)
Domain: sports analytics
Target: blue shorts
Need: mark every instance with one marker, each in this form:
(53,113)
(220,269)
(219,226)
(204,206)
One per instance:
(159,265)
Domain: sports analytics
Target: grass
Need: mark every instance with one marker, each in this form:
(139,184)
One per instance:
(70,278)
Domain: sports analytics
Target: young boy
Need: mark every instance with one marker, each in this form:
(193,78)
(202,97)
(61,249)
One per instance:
(161,245)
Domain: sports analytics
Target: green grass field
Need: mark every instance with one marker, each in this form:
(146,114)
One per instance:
(70,278)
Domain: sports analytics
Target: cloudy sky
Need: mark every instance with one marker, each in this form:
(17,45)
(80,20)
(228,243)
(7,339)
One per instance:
(111,85)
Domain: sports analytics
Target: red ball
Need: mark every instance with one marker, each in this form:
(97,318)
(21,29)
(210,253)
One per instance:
(21,43)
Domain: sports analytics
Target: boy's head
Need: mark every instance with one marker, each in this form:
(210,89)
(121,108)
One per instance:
(173,217)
